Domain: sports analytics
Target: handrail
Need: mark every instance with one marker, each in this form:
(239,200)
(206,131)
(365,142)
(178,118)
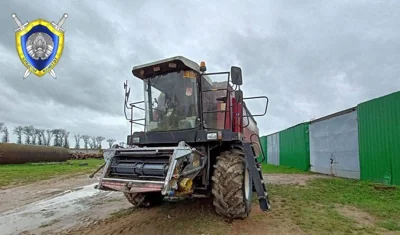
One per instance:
(259,97)
(248,119)
(261,149)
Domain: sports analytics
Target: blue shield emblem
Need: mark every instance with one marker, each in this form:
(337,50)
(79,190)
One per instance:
(39,44)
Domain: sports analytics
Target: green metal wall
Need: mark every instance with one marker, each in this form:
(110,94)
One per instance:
(263,144)
(294,148)
(379,139)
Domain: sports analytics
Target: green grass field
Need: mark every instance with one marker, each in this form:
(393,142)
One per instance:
(339,206)
(322,206)
(336,205)
(267,168)
(15,174)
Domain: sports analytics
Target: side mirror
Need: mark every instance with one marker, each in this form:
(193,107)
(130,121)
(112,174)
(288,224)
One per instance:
(236,75)
(239,96)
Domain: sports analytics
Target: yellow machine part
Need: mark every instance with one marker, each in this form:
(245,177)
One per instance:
(185,184)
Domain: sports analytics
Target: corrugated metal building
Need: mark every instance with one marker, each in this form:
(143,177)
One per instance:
(263,145)
(294,149)
(273,149)
(379,137)
(334,145)
(362,142)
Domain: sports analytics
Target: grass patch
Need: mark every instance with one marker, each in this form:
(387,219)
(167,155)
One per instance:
(390,225)
(315,207)
(15,174)
(267,168)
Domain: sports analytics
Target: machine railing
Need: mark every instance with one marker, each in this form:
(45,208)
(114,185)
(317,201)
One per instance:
(258,97)
(132,106)
(225,111)
(260,146)
(248,114)
(226,101)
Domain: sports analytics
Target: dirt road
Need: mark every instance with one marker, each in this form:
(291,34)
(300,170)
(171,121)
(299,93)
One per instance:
(55,206)
(71,205)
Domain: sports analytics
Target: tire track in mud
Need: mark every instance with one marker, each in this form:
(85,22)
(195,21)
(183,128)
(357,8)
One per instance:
(192,217)
(197,216)
(72,206)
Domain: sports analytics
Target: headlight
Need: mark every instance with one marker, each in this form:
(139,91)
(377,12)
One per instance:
(212,136)
(135,140)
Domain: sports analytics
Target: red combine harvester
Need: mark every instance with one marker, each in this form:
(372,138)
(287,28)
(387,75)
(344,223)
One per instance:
(198,138)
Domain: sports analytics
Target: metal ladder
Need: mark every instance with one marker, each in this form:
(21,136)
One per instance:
(258,179)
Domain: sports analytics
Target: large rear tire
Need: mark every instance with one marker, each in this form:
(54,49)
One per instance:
(144,199)
(232,185)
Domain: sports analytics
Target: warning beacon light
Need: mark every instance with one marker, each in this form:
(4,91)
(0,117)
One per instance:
(203,67)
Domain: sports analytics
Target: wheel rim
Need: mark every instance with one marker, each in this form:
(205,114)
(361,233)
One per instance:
(247,185)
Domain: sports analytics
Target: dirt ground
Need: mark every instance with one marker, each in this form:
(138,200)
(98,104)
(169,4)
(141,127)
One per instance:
(56,205)
(71,205)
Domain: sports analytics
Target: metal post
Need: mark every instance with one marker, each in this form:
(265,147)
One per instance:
(131,121)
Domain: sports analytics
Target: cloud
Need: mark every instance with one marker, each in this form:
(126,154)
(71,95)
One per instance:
(310,58)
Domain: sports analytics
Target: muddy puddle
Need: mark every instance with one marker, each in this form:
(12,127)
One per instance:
(61,211)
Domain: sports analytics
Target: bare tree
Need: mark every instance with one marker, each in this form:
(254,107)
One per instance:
(99,140)
(2,125)
(6,136)
(33,132)
(4,130)
(18,131)
(27,135)
(28,132)
(66,142)
(86,141)
(49,136)
(57,137)
(93,144)
(41,137)
(78,138)
(38,137)
(61,138)
(110,142)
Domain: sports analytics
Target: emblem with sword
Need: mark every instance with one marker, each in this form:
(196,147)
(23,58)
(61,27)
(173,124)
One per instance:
(40,45)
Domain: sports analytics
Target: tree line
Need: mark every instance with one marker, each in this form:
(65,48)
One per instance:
(52,137)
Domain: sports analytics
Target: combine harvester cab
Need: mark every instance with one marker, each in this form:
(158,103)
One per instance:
(198,139)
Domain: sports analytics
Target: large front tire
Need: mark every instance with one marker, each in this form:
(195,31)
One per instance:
(232,185)
(144,199)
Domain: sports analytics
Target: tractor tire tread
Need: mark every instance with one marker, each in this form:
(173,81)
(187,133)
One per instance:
(144,199)
(228,187)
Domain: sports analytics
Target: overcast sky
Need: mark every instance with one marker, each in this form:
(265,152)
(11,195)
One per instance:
(311,58)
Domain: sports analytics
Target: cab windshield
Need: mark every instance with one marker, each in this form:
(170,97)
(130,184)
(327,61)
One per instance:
(171,101)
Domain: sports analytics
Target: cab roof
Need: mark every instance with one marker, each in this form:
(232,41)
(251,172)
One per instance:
(182,63)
